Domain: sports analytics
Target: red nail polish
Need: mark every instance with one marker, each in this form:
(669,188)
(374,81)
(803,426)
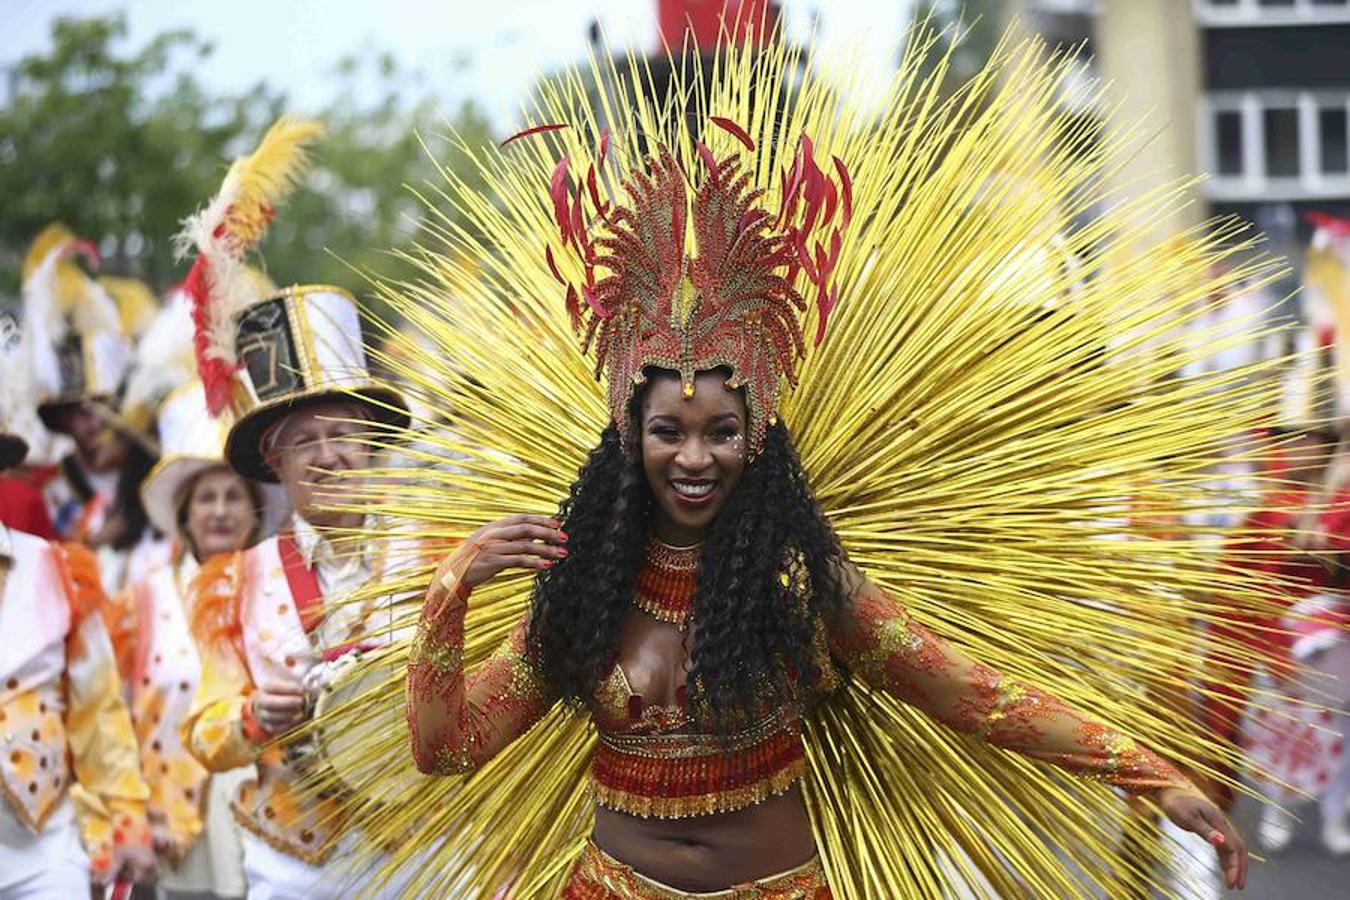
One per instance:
(562,552)
(563,535)
(548,564)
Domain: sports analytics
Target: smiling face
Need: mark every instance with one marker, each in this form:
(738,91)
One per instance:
(220,513)
(693,452)
(313,451)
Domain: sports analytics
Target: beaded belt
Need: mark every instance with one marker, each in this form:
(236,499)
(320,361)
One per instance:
(599,876)
(676,776)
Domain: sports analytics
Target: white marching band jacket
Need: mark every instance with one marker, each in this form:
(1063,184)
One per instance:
(63,724)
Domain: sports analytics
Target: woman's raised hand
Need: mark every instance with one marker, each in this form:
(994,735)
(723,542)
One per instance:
(515,542)
(1196,813)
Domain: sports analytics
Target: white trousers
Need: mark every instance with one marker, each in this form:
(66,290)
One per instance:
(48,866)
(273,875)
(60,881)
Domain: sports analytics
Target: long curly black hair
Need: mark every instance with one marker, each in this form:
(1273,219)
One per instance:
(770,573)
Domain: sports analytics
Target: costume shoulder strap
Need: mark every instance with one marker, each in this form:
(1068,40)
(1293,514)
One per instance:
(78,483)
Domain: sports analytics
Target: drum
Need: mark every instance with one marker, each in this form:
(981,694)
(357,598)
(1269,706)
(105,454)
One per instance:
(362,732)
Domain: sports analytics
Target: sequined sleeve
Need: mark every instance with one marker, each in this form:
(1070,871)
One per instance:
(112,795)
(459,722)
(882,644)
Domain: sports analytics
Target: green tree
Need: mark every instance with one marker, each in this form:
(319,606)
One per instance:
(85,140)
(384,138)
(970,29)
(122,145)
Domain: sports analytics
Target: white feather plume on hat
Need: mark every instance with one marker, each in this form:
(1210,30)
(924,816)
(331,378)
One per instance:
(164,362)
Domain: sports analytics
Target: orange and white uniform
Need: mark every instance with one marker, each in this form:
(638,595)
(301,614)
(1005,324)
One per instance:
(272,628)
(161,667)
(66,734)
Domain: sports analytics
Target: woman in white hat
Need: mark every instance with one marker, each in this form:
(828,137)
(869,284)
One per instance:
(193,496)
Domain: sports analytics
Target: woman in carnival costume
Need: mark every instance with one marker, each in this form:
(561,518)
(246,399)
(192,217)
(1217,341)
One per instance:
(207,509)
(747,617)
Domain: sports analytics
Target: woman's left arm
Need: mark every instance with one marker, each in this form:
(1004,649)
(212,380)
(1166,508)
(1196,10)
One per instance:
(883,645)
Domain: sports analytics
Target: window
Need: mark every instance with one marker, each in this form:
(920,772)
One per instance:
(1280,130)
(1277,144)
(1331,130)
(1228,130)
(1270,12)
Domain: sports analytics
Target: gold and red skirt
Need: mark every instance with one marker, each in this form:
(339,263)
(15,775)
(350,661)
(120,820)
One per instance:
(599,876)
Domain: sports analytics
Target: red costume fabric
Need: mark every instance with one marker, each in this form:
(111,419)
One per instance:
(1264,547)
(23,508)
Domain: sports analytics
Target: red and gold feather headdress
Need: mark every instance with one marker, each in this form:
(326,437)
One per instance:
(698,277)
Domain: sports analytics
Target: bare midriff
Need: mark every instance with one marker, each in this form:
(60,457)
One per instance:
(711,853)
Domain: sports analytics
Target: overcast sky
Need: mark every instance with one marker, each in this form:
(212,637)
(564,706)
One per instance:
(490,50)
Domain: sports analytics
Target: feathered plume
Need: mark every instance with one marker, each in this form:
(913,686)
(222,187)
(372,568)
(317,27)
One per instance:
(59,296)
(136,303)
(164,361)
(223,232)
(13,374)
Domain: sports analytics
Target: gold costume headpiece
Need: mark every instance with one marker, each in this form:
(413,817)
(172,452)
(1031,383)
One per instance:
(700,280)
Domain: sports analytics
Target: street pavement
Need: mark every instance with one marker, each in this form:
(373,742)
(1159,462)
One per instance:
(1303,871)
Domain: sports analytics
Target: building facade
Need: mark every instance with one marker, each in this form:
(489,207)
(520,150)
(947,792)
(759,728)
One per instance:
(1253,93)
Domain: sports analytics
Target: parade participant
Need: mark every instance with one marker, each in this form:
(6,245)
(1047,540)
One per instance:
(710,684)
(22,503)
(691,460)
(63,722)
(1318,627)
(1298,739)
(271,614)
(79,357)
(1320,648)
(1267,542)
(193,496)
(302,401)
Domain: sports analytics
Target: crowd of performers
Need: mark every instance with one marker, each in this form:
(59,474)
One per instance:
(126,741)
(168,580)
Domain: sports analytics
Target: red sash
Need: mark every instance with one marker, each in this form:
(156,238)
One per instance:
(304,584)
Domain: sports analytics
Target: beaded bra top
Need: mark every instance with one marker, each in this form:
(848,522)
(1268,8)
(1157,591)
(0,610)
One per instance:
(651,760)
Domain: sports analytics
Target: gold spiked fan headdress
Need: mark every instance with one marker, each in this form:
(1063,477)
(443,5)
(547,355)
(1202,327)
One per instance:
(996,429)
